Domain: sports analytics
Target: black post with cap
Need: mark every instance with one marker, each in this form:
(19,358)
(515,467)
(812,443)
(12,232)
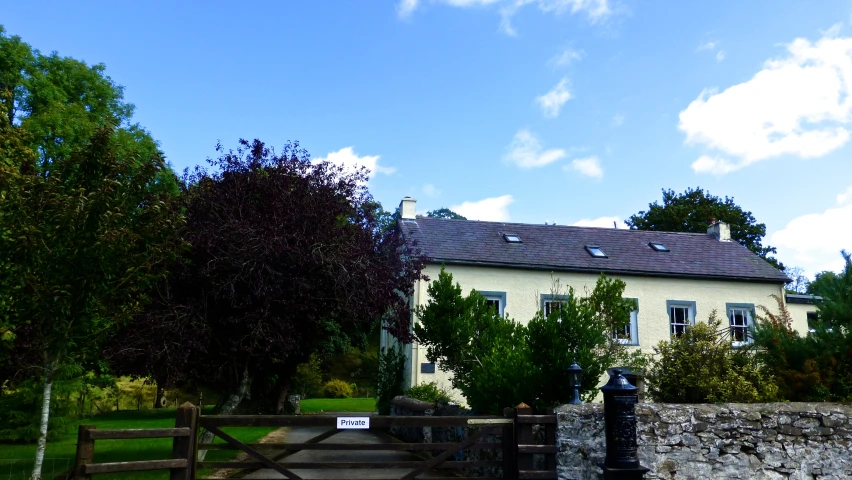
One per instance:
(622,453)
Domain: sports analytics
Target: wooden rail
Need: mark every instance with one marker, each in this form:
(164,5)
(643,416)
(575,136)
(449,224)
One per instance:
(181,465)
(521,448)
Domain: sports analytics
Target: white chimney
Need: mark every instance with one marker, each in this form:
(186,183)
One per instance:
(407,207)
(719,230)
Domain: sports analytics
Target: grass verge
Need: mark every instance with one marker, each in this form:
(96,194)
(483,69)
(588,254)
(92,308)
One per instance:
(316,405)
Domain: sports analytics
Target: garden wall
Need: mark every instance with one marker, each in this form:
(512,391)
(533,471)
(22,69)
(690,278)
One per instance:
(758,441)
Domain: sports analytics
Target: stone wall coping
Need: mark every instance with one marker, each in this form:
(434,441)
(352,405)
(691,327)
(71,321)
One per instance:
(412,404)
(727,408)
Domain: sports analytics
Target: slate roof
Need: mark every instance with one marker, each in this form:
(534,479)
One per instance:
(562,248)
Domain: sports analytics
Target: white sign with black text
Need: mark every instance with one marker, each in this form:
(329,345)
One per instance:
(353,422)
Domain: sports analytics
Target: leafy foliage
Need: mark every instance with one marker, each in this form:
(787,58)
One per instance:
(692,210)
(391,377)
(430,392)
(497,362)
(701,367)
(445,212)
(337,389)
(307,382)
(818,366)
(287,259)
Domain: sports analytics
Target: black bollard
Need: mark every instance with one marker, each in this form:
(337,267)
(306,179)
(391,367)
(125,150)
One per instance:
(622,454)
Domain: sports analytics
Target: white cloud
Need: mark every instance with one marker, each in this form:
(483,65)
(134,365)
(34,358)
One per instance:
(552,101)
(589,166)
(430,190)
(618,120)
(797,105)
(595,10)
(832,31)
(490,209)
(706,46)
(600,222)
(526,151)
(566,57)
(714,165)
(720,55)
(406,7)
(350,161)
(845,197)
(814,241)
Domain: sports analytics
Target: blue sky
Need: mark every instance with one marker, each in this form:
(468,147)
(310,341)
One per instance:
(570,111)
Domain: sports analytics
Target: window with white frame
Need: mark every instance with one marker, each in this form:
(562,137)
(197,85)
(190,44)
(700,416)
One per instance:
(681,316)
(496,300)
(740,322)
(551,303)
(629,333)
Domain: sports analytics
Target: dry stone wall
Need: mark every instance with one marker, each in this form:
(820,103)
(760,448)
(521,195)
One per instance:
(732,441)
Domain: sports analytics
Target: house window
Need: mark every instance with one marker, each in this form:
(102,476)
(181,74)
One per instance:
(596,251)
(681,315)
(740,321)
(629,334)
(496,300)
(551,303)
(658,246)
(512,238)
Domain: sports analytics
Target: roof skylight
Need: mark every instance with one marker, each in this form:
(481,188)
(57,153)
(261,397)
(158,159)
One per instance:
(596,251)
(659,247)
(512,238)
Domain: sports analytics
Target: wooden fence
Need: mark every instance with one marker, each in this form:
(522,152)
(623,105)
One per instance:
(521,445)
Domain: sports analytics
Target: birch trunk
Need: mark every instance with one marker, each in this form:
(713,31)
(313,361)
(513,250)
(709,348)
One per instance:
(227,408)
(50,370)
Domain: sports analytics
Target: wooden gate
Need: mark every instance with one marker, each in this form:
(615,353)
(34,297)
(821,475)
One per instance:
(483,447)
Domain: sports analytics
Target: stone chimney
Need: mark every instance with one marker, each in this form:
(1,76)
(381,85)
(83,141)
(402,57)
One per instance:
(719,230)
(407,207)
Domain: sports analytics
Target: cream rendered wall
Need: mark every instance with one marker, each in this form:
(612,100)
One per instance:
(524,287)
(799,313)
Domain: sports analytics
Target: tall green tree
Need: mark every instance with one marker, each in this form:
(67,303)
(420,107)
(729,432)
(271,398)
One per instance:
(79,248)
(60,103)
(445,212)
(692,210)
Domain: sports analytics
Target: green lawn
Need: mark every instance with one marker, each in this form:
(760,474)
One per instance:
(16,460)
(315,405)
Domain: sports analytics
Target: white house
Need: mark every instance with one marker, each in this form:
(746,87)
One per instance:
(675,278)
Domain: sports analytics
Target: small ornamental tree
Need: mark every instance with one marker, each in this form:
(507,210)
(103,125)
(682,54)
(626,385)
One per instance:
(700,366)
(288,258)
(497,362)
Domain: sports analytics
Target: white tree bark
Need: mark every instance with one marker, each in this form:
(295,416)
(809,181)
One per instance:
(227,408)
(50,369)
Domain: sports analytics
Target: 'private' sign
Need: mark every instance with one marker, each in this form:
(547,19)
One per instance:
(353,422)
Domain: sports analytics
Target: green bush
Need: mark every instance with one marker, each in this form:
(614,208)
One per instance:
(390,378)
(337,389)
(701,367)
(813,368)
(430,392)
(307,382)
(497,362)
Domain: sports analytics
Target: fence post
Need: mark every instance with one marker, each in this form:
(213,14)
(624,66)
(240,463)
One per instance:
(524,436)
(185,447)
(550,439)
(85,452)
(510,467)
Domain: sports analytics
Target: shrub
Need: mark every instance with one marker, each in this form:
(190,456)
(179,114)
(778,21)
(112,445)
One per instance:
(701,367)
(813,368)
(307,382)
(337,389)
(497,362)
(390,378)
(430,392)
